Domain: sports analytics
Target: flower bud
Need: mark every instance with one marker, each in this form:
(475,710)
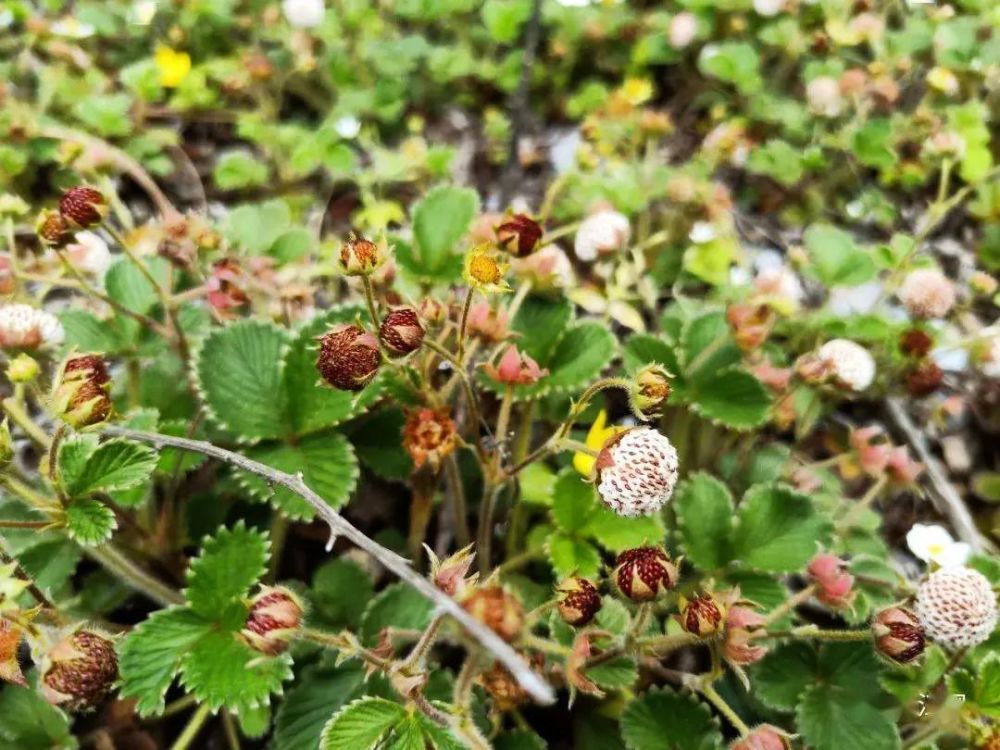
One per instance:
(361,257)
(764,737)
(643,573)
(83,207)
(741,625)
(81,396)
(274,618)
(450,574)
(348,358)
(649,392)
(53,230)
(80,670)
(519,235)
(578,601)
(833,583)
(898,634)
(515,368)
(496,609)
(401,332)
(702,616)
(22,369)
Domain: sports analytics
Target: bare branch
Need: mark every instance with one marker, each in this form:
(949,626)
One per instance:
(534,685)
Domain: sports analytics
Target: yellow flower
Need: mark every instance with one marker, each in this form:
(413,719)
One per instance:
(484,272)
(597,436)
(173,66)
(637,90)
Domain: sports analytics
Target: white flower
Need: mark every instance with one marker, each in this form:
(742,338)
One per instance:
(850,363)
(782,283)
(304,14)
(683,28)
(71,28)
(823,95)
(600,234)
(768,7)
(143,12)
(702,232)
(932,543)
(25,327)
(927,293)
(348,127)
(90,254)
(575,3)
(636,472)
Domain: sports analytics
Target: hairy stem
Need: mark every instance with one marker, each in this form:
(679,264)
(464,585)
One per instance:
(116,563)
(194,725)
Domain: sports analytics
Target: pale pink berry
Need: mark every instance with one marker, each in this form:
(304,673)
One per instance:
(683,28)
(601,233)
(957,607)
(927,293)
(636,472)
(764,737)
(26,327)
(850,364)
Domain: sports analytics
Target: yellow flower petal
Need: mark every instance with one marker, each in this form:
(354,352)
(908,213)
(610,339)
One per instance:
(637,91)
(597,436)
(172,66)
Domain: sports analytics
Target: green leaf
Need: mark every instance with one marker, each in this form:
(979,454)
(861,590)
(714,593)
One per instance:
(836,722)
(778,160)
(361,724)
(221,670)
(778,529)
(239,375)
(785,674)
(572,556)
(710,261)
(398,606)
(328,466)
(89,521)
(387,458)
(238,169)
(577,359)
(341,589)
(642,348)
(987,695)
(312,406)
(503,18)
(316,695)
(151,655)
(229,564)
(666,719)
(618,533)
(440,219)
(732,397)
(115,465)
(572,501)
(737,63)
(616,674)
(540,321)
(129,287)
(28,722)
(88,333)
(836,259)
(872,146)
(707,345)
(257,226)
(705,519)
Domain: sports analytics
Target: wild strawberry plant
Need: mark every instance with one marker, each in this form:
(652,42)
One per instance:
(343,408)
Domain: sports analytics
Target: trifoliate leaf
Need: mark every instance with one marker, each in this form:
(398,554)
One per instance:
(643,348)
(784,674)
(74,452)
(733,397)
(836,721)
(28,722)
(573,500)
(151,655)
(663,718)
(221,670)
(617,533)
(836,259)
(987,693)
(89,521)
(616,674)
(540,321)
(577,358)
(440,220)
(308,705)
(705,517)
(312,406)
(328,466)
(114,465)
(229,564)
(777,529)
(398,606)
(361,724)
(571,555)
(368,433)
(239,373)
(707,345)
(341,589)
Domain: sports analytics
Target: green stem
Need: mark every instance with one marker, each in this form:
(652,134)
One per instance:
(529,640)
(370,302)
(813,632)
(116,563)
(31,497)
(20,417)
(661,644)
(456,491)
(418,653)
(716,700)
(194,726)
(464,325)
(790,603)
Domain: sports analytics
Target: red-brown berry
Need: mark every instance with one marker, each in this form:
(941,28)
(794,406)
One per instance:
(273,619)
(898,634)
(506,692)
(53,230)
(924,379)
(401,332)
(499,611)
(80,670)
(578,601)
(915,343)
(643,573)
(702,616)
(348,357)
(83,207)
(519,235)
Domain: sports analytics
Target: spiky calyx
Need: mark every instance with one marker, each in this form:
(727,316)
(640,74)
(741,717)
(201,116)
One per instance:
(506,692)
(401,332)
(273,619)
(649,391)
(429,436)
(83,207)
(361,257)
(898,635)
(81,396)
(348,357)
(643,573)
(957,607)
(519,235)
(498,610)
(80,670)
(702,616)
(578,601)
(636,472)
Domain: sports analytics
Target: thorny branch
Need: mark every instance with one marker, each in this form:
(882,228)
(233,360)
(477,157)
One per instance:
(534,685)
